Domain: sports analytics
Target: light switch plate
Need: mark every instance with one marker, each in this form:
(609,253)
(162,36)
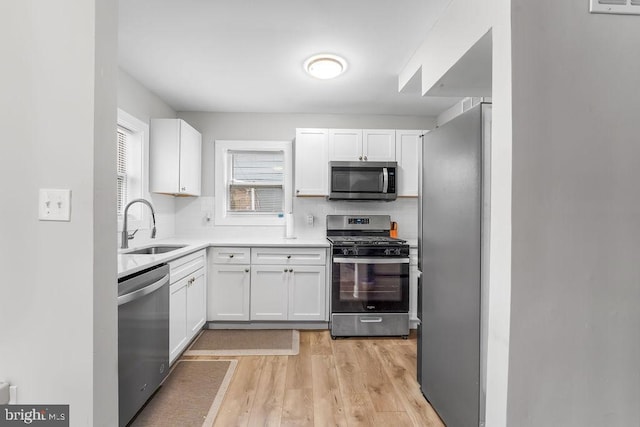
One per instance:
(54,205)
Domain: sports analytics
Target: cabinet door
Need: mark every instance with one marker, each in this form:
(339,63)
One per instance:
(177,318)
(408,154)
(190,159)
(164,152)
(379,145)
(311,162)
(345,145)
(269,292)
(307,297)
(196,303)
(228,292)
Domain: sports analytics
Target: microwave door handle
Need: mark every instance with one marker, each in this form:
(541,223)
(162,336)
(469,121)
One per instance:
(385,180)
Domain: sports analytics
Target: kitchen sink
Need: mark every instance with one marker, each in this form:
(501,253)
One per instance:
(154,250)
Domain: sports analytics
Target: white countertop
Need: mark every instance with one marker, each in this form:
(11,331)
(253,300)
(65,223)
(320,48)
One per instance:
(129,264)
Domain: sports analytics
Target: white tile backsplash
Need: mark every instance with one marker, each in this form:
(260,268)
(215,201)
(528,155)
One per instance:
(191,215)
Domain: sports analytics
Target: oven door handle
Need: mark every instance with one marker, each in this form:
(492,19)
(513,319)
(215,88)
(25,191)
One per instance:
(371,260)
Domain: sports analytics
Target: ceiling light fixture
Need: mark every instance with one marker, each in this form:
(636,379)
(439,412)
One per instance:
(325,66)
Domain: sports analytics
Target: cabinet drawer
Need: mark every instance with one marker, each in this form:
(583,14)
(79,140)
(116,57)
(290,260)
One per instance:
(182,267)
(293,256)
(231,255)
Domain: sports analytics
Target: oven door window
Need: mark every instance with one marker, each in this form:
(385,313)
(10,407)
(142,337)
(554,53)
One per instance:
(370,285)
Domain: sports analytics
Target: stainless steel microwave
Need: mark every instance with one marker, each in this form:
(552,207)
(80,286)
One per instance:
(363,180)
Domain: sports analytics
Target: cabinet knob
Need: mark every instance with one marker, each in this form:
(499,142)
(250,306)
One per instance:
(183,188)
(231,256)
(291,270)
(285,270)
(365,157)
(297,191)
(288,256)
(360,158)
(246,270)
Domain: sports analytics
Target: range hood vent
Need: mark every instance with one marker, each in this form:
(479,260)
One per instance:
(624,7)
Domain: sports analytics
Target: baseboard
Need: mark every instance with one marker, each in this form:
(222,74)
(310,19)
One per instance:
(267,325)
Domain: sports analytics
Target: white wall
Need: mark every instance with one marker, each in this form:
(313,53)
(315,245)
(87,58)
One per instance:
(191,212)
(459,27)
(56,82)
(575,293)
(144,105)
(500,234)
(105,310)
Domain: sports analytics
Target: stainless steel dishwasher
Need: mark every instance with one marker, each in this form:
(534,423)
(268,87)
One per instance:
(143,337)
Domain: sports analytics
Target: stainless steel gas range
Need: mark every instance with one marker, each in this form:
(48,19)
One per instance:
(369,277)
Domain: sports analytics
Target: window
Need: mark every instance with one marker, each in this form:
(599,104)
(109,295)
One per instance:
(253,181)
(132,140)
(256,181)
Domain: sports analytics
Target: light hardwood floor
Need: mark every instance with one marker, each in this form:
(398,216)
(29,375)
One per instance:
(344,382)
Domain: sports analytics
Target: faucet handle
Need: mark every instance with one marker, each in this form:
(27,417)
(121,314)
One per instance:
(130,236)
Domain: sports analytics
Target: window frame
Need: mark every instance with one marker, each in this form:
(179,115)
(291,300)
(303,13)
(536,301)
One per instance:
(222,173)
(141,130)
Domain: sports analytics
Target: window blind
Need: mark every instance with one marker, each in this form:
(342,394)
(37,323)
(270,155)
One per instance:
(121,170)
(256,181)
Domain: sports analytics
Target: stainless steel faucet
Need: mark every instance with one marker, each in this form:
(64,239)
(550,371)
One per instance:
(125,235)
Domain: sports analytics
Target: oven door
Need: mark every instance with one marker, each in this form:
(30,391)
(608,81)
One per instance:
(362,285)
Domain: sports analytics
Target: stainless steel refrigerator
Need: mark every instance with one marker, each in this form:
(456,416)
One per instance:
(453,253)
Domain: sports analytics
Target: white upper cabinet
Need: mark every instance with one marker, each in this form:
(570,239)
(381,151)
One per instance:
(311,162)
(353,145)
(408,155)
(379,145)
(345,145)
(175,158)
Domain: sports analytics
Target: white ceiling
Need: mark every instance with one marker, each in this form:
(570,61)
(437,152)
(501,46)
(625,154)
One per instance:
(247,55)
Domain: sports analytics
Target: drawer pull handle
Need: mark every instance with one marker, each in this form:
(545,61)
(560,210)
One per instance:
(371,320)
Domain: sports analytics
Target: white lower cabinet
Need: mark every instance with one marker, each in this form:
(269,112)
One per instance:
(269,292)
(177,320)
(196,303)
(286,292)
(187,300)
(307,293)
(229,292)
(280,284)
(229,284)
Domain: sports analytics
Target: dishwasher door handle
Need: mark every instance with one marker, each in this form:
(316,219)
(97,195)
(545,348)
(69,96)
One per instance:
(132,296)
